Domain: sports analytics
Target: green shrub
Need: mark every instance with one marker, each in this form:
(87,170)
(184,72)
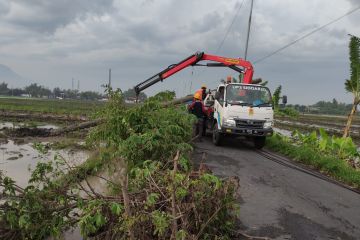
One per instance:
(332,160)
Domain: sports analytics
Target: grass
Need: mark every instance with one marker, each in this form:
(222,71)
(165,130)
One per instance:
(314,119)
(69,143)
(327,164)
(55,106)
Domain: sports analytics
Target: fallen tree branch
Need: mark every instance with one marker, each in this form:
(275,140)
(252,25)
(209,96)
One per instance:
(173,198)
(76,127)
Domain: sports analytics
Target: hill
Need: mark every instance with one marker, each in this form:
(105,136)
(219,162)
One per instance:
(10,77)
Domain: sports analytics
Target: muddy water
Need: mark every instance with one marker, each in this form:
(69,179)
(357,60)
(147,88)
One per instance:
(17,125)
(283,132)
(336,128)
(15,160)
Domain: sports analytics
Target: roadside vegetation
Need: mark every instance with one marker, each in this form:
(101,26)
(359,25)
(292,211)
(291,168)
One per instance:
(352,85)
(153,191)
(279,109)
(337,157)
(333,107)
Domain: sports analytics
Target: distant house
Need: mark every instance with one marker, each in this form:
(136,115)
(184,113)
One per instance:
(26,95)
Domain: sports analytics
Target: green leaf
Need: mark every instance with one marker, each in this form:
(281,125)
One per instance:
(99,220)
(152,198)
(116,208)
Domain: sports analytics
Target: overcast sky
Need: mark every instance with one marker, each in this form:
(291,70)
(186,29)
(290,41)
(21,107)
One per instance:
(51,42)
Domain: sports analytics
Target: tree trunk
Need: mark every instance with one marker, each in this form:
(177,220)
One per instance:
(349,120)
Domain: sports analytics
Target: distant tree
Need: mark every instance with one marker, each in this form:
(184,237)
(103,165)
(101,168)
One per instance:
(90,95)
(37,91)
(333,107)
(352,85)
(131,94)
(276,97)
(17,91)
(33,89)
(71,93)
(57,92)
(302,108)
(335,102)
(4,90)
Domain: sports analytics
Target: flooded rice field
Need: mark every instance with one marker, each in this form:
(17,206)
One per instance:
(18,156)
(4,125)
(17,159)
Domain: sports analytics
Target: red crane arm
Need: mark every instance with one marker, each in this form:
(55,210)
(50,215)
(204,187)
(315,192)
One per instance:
(232,63)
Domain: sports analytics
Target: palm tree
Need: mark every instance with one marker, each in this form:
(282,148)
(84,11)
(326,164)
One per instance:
(352,85)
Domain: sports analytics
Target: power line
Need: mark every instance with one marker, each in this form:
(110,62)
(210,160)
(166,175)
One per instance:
(306,35)
(248,32)
(229,28)
(227,33)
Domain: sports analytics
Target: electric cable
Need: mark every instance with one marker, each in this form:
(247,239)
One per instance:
(229,28)
(306,35)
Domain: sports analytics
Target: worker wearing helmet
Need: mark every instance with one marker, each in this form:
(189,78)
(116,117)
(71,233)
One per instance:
(202,91)
(228,79)
(198,109)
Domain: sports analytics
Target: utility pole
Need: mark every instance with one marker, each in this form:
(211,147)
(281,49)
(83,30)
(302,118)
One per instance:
(78,86)
(72,84)
(248,32)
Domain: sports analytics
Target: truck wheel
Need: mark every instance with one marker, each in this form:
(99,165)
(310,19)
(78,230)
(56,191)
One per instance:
(216,135)
(259,142)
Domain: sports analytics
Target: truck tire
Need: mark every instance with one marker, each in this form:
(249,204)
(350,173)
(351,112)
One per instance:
(259,142)
(216,135)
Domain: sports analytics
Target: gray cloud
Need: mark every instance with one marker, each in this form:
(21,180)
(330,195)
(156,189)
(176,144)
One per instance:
(53,41)
(355,3)
(47,16)
(207,23)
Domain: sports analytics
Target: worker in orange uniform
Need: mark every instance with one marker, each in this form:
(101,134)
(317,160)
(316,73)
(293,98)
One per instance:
(198,109)
(202,92)
(228,79)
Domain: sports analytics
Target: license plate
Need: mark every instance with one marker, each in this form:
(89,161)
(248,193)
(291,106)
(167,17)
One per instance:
(249,131)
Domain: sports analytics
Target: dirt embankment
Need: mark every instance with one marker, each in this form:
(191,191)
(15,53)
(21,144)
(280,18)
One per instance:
(48,132)
(23,115)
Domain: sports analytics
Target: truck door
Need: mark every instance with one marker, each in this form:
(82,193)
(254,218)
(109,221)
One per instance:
(219,105)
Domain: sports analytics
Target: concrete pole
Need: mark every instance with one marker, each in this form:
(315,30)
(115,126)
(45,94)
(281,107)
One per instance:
(248,32)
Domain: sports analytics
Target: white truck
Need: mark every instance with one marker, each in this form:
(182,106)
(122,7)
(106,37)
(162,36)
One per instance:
(240,110)
(235,109)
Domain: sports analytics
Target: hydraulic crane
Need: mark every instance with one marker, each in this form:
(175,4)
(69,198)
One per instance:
(233,109)
(237,64)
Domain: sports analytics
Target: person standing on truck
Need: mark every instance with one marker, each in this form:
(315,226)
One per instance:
(198,109)
(228,79)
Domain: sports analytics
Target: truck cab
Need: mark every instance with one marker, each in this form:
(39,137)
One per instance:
(240,110)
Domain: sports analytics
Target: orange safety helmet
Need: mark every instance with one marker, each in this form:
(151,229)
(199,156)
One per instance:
(197,96)
(228,79)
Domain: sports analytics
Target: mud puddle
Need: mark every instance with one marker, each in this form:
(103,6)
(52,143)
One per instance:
(283,132)
(17,159)
(4,125)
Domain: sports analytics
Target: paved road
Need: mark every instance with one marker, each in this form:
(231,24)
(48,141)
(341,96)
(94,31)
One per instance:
(283,203)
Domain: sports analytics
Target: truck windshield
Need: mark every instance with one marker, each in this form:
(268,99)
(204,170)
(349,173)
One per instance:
(248,95)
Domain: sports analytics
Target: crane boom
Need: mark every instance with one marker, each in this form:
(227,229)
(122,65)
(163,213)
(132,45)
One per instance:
(233,63)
